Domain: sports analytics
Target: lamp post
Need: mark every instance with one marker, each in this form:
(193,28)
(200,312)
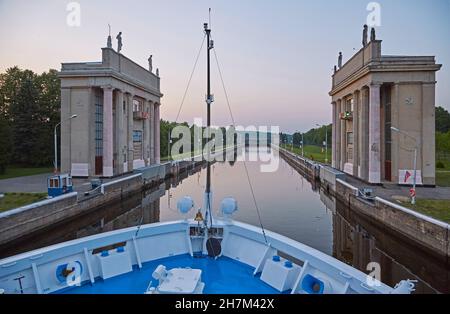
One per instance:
(326,142)
(56,141)
(413,192)
(303,144)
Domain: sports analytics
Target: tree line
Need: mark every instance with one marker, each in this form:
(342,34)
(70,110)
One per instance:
(442,131)
(315,137)
(166,130)
(29,110)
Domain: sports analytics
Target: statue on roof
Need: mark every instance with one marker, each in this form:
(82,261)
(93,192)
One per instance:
(157,72)
(372,34)
(150,63)
(365,34)
(340,60)
(119,42)
(109,42)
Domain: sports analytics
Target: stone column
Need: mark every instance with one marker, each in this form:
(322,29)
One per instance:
(374,134)
(157,134)
(426,158)
(147,133)
(333,137)
(355,132)
(360,134)
(130,131)
(338,135)
(120,132)
(66,131)
(108,132)
(395,147)
(343,137)
(152,132)
(365,134)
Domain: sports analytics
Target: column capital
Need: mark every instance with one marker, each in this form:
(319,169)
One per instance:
(375,84)
(107,87)
(149,101)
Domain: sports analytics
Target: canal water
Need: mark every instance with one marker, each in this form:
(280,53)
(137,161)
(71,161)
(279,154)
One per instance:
(288,204)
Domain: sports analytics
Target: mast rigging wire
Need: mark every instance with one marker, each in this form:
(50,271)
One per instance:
(190,79)
(245,164)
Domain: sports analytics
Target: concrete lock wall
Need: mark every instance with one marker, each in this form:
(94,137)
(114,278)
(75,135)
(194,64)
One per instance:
(309,169)
(23,220)
(124,185)
(426,231)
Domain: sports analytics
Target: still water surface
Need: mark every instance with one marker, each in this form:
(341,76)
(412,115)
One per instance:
(289,205)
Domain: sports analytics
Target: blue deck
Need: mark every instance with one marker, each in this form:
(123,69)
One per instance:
(221,276)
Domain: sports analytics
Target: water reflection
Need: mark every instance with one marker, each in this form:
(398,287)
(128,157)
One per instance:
(357,242)
(289,205)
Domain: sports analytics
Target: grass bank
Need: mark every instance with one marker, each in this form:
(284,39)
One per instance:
(15,172)
(311,152)
(438,209)
(442,178)
(14,200)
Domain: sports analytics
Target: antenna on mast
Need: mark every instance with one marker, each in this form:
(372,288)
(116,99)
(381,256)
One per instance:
(209,17)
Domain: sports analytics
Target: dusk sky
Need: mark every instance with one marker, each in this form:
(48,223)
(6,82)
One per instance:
(276,56)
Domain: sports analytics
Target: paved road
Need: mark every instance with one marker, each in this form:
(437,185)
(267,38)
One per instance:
(388,191)
(38,184)
(30,184)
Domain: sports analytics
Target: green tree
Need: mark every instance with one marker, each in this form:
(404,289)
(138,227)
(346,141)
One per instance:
(49,109)
(5,144)
(30,104)
(443,142)
(317,136)
(442,120)
(297,138)
(24,112)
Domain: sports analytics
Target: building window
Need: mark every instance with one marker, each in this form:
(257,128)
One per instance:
(349,105)
(98,126)
(137,105)
(137,136)
(137,145)
(350,154)
(349,138)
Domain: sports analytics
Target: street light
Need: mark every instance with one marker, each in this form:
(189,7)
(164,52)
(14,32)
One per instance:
(56,141)
(326,142)
(303,144)
(413,194)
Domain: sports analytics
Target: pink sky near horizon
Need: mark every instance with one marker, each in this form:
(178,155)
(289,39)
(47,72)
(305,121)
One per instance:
(276,57)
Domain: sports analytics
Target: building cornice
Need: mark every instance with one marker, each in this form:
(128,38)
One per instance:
(108,72)
(380,67)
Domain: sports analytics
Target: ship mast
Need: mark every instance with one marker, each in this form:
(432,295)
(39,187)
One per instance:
(209,101)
